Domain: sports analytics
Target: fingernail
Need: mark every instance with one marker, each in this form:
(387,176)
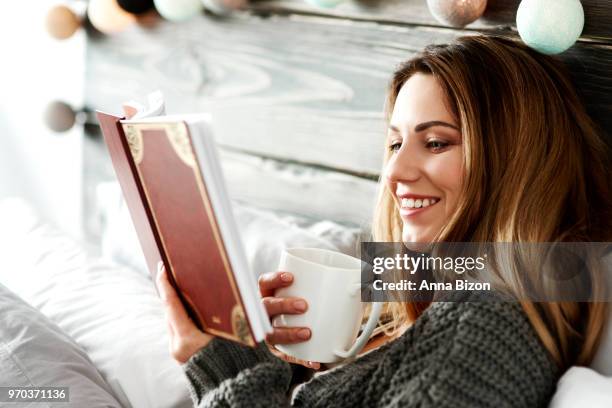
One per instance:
(160,265)
(286,277)
(303,334)
(299,305)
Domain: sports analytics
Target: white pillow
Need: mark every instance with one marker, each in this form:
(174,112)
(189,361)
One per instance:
(34,352)
(112,311)
(602,362)
(582,387)
(264,233)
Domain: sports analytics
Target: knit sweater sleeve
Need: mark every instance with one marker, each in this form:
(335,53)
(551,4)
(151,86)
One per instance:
(225,374)
(463,354)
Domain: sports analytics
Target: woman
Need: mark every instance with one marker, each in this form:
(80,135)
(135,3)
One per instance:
(487,142)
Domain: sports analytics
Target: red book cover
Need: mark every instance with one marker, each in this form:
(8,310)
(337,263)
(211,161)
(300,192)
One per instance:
(170,206)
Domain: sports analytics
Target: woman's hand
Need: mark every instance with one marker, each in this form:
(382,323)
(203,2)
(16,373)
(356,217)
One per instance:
(268,283)
(185,338)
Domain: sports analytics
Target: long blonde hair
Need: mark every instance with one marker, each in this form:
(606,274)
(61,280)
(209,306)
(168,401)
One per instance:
(535,167)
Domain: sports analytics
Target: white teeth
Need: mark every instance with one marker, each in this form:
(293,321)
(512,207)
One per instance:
(412,203)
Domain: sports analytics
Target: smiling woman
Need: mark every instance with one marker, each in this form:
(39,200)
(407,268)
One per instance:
(424,169)
(516,159)
(471,157)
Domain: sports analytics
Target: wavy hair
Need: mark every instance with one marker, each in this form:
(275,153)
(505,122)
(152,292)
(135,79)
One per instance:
(536,170)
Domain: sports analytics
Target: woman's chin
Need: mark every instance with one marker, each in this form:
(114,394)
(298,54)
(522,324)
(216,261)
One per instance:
(417,235)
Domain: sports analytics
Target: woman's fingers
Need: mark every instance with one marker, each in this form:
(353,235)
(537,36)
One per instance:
(269,282)
(290,305)
(177,316)
(185,338)
(288,335)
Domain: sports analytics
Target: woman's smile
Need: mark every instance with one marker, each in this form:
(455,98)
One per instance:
(413,204)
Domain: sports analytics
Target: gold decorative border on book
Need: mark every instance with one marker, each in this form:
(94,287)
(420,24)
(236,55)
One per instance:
(179,139)
(240,326)
(184,142)
(134,139)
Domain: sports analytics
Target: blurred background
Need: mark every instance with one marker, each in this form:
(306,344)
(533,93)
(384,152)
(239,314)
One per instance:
(296,88)
(35,162)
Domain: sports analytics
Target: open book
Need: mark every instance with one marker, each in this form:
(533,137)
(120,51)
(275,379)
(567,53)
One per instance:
(172,181)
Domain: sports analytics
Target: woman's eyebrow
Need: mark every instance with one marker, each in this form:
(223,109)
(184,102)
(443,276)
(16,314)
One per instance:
(394,129)
(425,125)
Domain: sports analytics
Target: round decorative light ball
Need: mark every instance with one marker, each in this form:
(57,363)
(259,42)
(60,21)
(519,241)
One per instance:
(59,116)
(222,7)
(136,6)
(107,17)
(178,10)
(550,27)
(325,3)
(457,13)
(62,22)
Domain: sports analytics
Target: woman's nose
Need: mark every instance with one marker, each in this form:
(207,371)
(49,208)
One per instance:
(403,167)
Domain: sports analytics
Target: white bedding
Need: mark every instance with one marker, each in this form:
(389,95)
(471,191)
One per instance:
(114,314)
(583,387)
(264,233)
(112,310)
(35,352)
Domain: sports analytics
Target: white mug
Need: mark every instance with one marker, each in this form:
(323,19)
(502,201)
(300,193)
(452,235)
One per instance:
(330,283)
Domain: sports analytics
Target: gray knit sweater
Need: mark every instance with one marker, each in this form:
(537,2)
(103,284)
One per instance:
(463,354)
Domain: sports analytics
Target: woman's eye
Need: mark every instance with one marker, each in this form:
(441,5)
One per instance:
(394,147)
(436,145)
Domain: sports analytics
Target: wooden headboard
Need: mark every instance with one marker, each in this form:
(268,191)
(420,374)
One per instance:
(297,93)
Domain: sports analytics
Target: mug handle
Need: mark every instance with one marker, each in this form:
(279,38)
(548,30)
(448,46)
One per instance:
(365,334)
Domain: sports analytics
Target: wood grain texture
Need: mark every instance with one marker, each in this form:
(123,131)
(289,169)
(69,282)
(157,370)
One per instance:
(299,189)
(307,90)
(499,14)
(302,88)
(264,183)
(591,69)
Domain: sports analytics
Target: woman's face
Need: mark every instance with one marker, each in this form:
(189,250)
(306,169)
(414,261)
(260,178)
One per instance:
(424,172)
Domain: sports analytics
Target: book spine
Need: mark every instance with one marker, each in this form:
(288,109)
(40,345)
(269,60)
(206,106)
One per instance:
(133,192)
